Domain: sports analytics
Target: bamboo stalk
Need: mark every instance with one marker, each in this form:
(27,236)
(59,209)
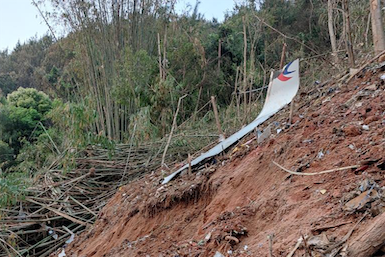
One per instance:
(214,104)
(172,130)
(244,69)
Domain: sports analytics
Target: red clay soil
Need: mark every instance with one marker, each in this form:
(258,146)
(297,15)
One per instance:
(234,205)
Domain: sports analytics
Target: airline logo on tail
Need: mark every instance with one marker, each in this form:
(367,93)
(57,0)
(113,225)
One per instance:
(283,76)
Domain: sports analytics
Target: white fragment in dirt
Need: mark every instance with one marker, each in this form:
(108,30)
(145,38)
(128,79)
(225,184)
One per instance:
(208,236)
(245,247)
(218,254)
(124,194)
(71,239)
(265,134)
(55,236)
(279,131)
(229,252)
(160,188)
(372,87)
(365,127)
(201,243)
(50,232)
(351,146)
(323,191)
(62,253)
(352,71)
(321,241)
(359,104)
(382,76)
(320,154)
(328,99)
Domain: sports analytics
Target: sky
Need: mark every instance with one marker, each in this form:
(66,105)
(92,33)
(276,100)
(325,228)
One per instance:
(20,20)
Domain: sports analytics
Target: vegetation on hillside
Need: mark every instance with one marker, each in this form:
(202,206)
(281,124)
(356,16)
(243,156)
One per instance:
(119,72)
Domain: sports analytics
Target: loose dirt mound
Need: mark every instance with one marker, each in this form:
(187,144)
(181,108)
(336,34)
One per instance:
(233,204)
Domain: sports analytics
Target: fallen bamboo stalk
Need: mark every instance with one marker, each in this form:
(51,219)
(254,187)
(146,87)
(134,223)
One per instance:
(10,246)
(364,66)
(85,207)
(129,153)
(64,215)
(299,241)
(315,173)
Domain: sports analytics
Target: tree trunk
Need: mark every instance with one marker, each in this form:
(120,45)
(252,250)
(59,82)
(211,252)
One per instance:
(216,114)
(332,34)
(348,36)
(164,62)
(377,28)
(160,60)
(219,55)
(244,69)
(370,240)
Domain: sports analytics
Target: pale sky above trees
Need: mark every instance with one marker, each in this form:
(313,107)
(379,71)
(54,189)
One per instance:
(20,20)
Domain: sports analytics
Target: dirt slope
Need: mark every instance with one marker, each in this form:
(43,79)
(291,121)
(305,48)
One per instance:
(233,205)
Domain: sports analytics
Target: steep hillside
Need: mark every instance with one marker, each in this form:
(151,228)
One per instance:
(235,203)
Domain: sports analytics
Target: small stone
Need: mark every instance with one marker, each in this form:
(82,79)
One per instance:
(365,185)
(351,147)
(265,134)
(360,201)
(365,127)
(62,253)
(218,254)
(371,119)
(352,131)
(323,191)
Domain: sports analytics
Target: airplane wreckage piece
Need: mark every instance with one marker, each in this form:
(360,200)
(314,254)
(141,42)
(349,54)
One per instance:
(281,91)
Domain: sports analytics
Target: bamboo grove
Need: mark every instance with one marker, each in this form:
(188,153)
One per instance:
(123,64)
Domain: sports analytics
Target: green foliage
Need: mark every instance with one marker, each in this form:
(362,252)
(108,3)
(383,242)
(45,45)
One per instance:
(136,74)
(30,98)
(7,83)
(39,154)
(6,154)
(12,187)
(75,119)
(20,116)
(145,130)
(53,75)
